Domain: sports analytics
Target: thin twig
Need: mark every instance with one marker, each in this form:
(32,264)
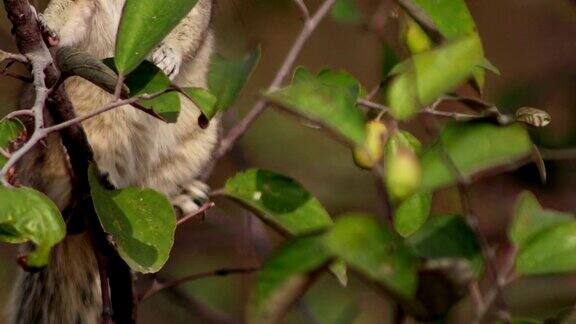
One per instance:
(40,132)
(504,278)
(13,57)
(470,216)
(235,133)
(158,286)
(200,211)
(5,153)
(303,8)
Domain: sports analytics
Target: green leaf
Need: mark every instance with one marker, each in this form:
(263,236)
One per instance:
(72,61)
(28,215)
(147,78)
(389,60)
(451,17)
(447,236)
(142,222)
(10,131)
(428,75)
(473,147)
(374,251)
(279,201)
(416,38)
(284,276)
(226,78)
(549,252)
(329,99)
(412,213)
(530,219)
(204,100)
(144,24)
(346,11)
(453,20)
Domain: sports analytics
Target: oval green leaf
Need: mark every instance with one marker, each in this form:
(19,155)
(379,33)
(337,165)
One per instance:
(144,24)
(473,147)
(204,100)
(453,20)
(279,201)
(227,77)
(428,75)
(28,215)
(549,252)
(328,99)
(375,252)
(447,237)
(530,219)
(72,62)
(142,222)
(412,213)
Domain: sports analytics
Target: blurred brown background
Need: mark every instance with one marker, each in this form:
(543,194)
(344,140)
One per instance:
(533,42)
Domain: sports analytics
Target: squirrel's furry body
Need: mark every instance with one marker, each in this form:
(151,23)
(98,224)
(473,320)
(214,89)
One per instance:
(133,148)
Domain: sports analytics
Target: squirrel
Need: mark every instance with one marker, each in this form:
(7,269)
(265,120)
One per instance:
(131,147)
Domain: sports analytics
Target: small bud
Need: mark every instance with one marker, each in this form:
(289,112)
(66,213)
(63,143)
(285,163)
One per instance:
(368,155)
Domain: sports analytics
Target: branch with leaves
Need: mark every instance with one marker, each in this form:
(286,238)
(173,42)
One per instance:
(407,257)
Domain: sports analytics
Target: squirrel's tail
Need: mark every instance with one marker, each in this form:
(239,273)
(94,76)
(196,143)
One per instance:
(67,291)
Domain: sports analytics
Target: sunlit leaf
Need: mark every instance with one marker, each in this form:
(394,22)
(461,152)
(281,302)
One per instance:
(280,201)
(328,99)
(472,148)
(142,223)
(416,39)
(530,219)
(375,252)
(453,20)
(551,251)
(284,276)
(412,213)
(27,215)
(227,77)
(204,100)
(143,25)
(451,17)
(10,131)
(428,75)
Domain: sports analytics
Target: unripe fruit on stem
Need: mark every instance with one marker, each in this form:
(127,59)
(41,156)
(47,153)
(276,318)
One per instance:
(403,172)
(370,153)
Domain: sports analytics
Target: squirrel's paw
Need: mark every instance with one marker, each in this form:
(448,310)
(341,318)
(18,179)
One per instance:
(192,197)
(167,59)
